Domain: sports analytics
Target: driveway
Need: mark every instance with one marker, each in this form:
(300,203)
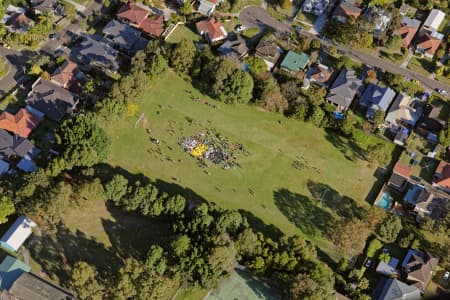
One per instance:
(257,17)
(319,24)
(15,76)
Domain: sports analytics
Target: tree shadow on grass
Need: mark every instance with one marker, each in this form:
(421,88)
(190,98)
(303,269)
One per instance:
(348,148)
(304,213)
(258,225)
(57,252)
(344,206)
(259,287)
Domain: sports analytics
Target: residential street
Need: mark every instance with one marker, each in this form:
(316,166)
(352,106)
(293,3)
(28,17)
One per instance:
(257,17)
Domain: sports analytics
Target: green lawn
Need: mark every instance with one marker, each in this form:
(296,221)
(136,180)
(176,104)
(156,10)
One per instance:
(183,32)
(421,65)
(291,165)
(4,67)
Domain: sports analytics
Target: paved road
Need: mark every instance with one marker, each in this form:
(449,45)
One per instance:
(257,17)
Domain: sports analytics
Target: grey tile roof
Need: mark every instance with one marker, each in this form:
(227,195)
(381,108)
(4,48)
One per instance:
(124,36)
(51,99)
(393,289)
(345,88)
(13,145)
(237,48)
(94,51)
(376,98)
(31,287)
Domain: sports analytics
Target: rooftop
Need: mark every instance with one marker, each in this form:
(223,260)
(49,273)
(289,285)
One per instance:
(294,61)
(132,13)
(21,124)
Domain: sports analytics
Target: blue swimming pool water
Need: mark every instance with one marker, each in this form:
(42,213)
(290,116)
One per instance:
(384,201)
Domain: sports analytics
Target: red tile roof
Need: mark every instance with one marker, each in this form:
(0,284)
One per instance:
(21,124)
(402,170)
(407,33)
(444,170)
(65,76)
(345,10)
(153,27)
(210,27)
(133,13)
(429,44)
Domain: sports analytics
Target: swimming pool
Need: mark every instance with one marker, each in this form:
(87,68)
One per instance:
(384,201)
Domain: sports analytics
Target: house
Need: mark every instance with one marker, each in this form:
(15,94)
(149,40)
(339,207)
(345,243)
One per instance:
(442,176)
(32,287)
(4,167)
(400,176)
(376,98)
(394,289)
(404,111)
(346,10)
(138,16)
(124,37)
(153,27)
(406,9)
(344,89)
(70,77)
(17,234)
(236,47)
(94,52)
(18,22)
(389,268)
(401,136)
(425,203)
(294,62)
(269,52)
(418,267)
(51,99)
(315,7)
(48,7)
(211,30)
(407,31)
(207,7)
(132,14)
(319,74)
(10,269)
(429,43)
(380,18)
(434,20)
(433,119)
(16,146)
(21,124)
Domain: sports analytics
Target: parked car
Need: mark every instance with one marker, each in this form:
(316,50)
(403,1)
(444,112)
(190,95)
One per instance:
(368,264)
(298,29)
(442,92)
(240,28)
(52,36)
(446,276)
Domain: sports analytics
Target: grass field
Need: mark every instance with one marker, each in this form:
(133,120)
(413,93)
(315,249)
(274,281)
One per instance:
(4,67)
(330,180)
(97,234)
(421,65)
(183,32)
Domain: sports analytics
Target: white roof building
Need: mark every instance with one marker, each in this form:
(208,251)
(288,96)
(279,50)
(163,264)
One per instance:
(17,234)
(434,20)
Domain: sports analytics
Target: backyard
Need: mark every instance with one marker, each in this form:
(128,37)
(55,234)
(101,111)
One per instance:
(281,174)
(182,32)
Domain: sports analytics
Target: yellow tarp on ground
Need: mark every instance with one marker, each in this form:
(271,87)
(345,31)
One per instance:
(199,150)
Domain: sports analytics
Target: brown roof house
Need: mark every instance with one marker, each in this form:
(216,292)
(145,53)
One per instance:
(344,89)
(69,76)
(51,99)
(269,52)
(442,176)
(418,267)
(407,30)
(346,10)
(21,124)
(425,203)
(429,43)
(400,176)
(212,30)
(319,74)
(138,16)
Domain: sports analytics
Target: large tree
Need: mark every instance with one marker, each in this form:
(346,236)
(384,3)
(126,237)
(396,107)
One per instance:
(182,56)
(83,280)
(389,229)
(6,208)
(85,142)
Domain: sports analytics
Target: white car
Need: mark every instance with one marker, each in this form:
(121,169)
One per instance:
(446,276)
(240,28)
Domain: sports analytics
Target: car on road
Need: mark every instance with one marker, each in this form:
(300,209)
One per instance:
(446,276)
(442,92)
(368,264)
